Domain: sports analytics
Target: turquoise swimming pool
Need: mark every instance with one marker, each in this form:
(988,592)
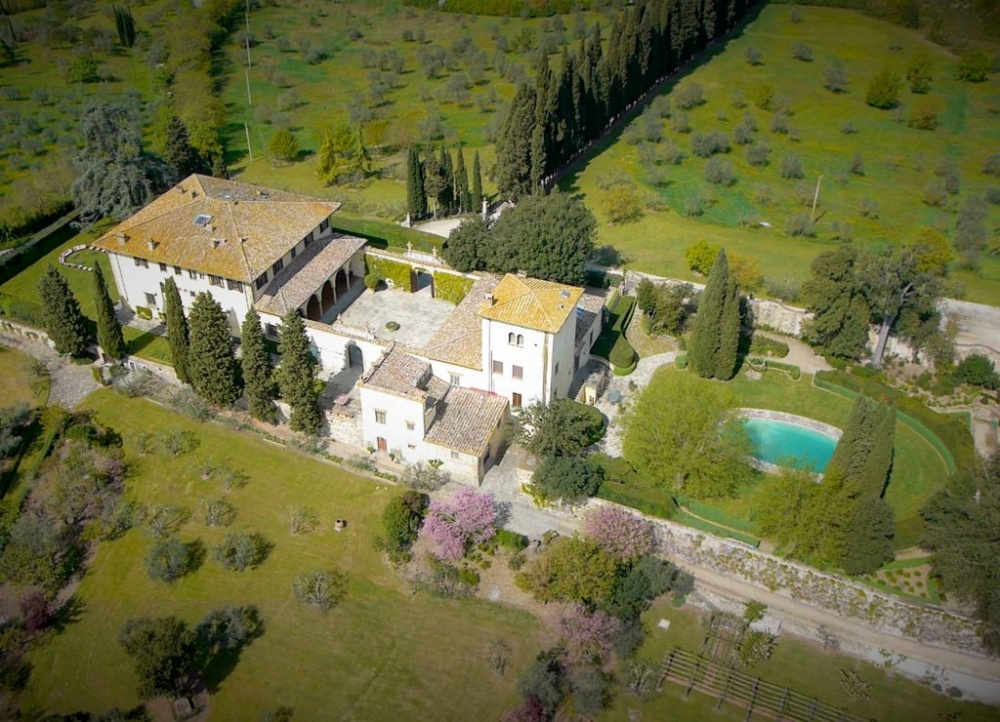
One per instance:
(776,442)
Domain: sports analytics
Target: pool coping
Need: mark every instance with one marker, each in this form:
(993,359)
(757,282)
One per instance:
(803,421)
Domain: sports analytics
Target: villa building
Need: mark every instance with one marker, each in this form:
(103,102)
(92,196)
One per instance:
(411,375)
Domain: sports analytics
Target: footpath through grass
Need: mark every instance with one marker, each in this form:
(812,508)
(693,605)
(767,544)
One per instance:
(385,653)
(899,161)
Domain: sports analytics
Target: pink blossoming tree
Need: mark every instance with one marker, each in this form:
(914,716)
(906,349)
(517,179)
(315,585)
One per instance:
(619,532)
(454,525)
(588,636)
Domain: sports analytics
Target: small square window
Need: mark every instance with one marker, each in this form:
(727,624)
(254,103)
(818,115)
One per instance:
(379,417)
(324,225)
(455,455)
(177,270)
(411,447)
(278,265)
(163,267)
(150,299)
(233,285)
(410,426)
(193,275)
(261,281)
(141,262)
(295,251)
(454,379)
(498,367)
(517,372)
(192,294)
(215,281)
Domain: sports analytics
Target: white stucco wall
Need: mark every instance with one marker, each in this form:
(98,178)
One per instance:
(561,358)
(467,378)
(134,282)
(531,356)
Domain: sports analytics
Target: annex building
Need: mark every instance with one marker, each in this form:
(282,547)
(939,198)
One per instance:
(410,374)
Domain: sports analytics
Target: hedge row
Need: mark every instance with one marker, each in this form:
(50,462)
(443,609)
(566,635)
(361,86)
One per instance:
(948,434)
(395,271)
(765,346)
(509,8)
(791,369)
(612,344)
(386,235)
(451,288)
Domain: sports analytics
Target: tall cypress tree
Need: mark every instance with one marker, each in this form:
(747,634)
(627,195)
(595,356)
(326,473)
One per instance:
(177,330)
(178,151)
(868,539)
(706,337)
(211,360)
(727,358)
(461,190)
(296,375)
(416,197)
(257,369)
(855,444)
(446,199)
(477,184)
(875,474)
(512,170)
(62,318)
(109,330)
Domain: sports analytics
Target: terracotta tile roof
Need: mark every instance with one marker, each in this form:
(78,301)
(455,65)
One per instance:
(466,420)
(401,374)
(459,339)
(532,303)
(301,278)
(241,231)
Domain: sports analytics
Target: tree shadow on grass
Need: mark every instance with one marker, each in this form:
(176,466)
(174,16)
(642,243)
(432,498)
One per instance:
(68,614)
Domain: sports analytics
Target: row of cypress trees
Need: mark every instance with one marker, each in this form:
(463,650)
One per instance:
(201,348)
(65,323)
(445,183)
(202,351)
(553,119)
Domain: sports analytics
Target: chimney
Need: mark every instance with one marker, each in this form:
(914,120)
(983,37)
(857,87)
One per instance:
(152,244)
(194,194)
(216,242)
(122,238)
(489,299)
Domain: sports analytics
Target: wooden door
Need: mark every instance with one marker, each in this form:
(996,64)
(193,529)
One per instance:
(382,446)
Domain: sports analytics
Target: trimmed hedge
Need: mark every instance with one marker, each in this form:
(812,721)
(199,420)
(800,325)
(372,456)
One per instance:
(948,434)
(594,417)
(386,235)
(395,271)
(612,344)
(764,346)
(791,369)
(451,288)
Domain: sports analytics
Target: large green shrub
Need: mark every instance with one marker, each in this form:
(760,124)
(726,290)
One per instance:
(452,288)
(395,271)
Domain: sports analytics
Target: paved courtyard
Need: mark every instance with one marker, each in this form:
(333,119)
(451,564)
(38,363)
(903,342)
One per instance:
(418,315)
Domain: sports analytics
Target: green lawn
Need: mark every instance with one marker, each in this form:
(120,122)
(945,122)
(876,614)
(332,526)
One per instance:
(383,654)
(23,289)
(899,161)
(918,470)
(802,666)
(17,377)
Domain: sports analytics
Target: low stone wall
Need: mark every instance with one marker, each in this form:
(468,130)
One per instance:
(836,595)
(779,317)
(13,328)
(803,421)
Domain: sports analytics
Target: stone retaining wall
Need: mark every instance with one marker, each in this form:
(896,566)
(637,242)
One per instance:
(837,595)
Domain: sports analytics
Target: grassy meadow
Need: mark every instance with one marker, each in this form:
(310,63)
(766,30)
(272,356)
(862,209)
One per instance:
(899,162)
(384,653)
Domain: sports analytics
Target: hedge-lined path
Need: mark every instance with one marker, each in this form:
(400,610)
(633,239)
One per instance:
(70,383)
(799,353)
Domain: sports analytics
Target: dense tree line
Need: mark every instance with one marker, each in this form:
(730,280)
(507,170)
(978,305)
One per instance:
(554,118)
(441,184)
(548,237)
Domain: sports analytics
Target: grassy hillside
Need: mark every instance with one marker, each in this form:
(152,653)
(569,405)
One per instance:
(316,67)
(899,161)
